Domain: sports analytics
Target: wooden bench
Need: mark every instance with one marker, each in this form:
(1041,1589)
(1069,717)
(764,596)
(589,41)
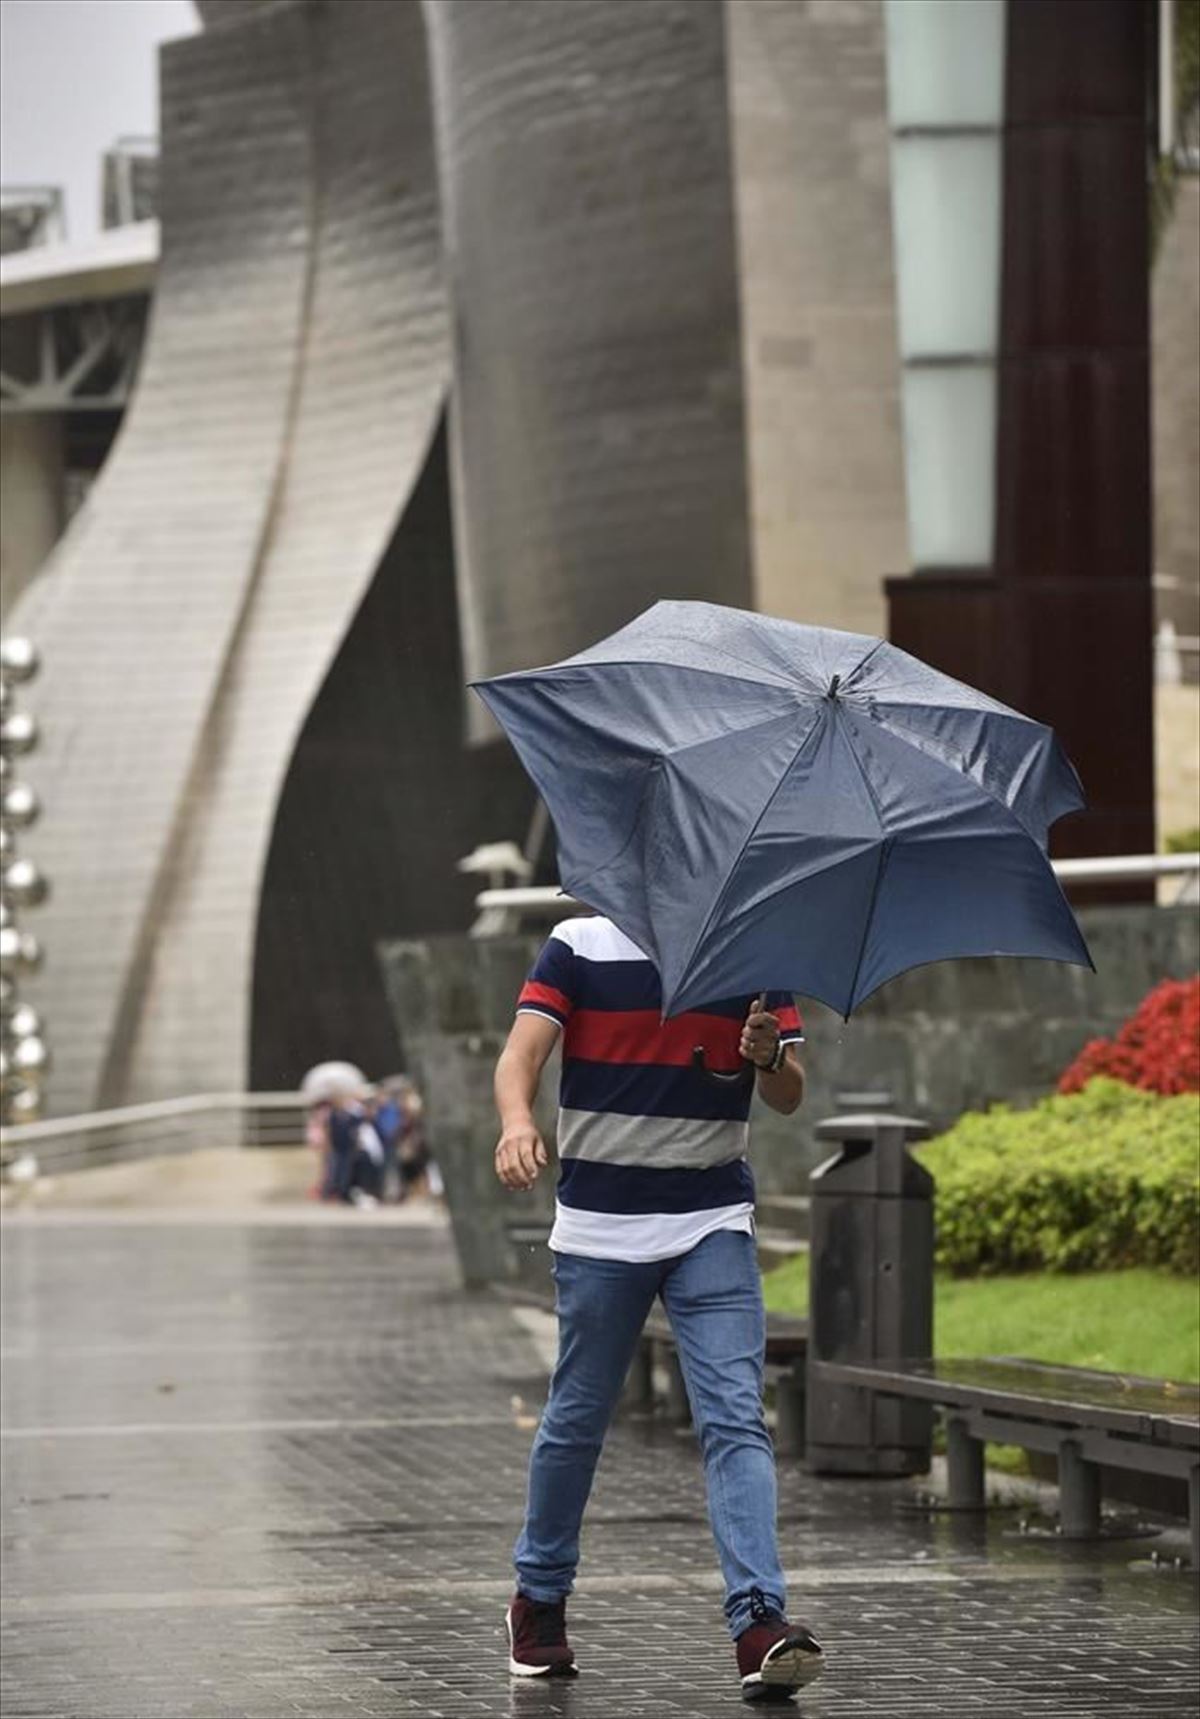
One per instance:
(1087,1419)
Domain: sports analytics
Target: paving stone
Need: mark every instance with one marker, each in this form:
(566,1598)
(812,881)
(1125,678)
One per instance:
(255,1471)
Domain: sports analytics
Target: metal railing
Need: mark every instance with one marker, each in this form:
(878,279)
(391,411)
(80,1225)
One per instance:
(501,910)
(149,1130)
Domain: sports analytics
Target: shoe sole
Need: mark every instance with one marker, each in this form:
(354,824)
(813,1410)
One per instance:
(782,1673)
(516,1668)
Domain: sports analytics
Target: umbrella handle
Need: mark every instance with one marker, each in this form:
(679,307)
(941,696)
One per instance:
(743,1076)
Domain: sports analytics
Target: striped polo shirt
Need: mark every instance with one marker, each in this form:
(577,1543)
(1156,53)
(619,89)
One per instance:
(652,1153)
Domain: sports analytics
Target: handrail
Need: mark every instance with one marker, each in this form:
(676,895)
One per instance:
(156,1110)
(168,1125)
(497,906)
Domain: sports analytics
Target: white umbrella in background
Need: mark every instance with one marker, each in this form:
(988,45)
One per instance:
(328,1080)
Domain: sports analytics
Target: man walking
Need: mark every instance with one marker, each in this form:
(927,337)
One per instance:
(655,1199)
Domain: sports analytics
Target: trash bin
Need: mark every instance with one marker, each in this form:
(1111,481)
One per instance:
(870,1293)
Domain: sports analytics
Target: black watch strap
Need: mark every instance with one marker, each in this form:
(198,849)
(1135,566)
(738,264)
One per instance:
(776,1062)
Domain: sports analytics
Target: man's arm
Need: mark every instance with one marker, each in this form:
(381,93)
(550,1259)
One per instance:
(783,1091)
(784,1088)
(521,1152)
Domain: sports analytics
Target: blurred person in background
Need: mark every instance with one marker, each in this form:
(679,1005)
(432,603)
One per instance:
(316,1136)
(354,1164)
(418,1172)
(388,1117)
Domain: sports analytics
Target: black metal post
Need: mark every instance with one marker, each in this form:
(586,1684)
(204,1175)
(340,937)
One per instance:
(964,1466)
(1078,1493)
(870,1294)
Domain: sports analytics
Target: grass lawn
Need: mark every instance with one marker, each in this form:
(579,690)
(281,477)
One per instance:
(1134,1321)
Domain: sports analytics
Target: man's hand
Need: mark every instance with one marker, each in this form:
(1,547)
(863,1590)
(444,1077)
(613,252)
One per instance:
(760,1035)
(521,1152)
(519,1156)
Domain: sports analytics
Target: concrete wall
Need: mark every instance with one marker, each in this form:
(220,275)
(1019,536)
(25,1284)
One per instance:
(942,1039)
(1175,329)
(597,436)
(822,373)
(31,498)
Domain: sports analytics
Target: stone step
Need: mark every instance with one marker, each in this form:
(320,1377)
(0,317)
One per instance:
(787,1212)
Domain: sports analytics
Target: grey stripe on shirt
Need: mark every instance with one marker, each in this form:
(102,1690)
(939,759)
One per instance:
(652,1142)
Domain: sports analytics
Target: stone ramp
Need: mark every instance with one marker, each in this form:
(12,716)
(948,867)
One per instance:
(256,1471)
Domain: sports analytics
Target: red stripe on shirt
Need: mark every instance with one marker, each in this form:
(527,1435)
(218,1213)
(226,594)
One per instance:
(641,1036)
(534,994)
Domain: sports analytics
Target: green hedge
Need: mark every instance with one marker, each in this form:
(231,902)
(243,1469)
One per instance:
(1104,1178)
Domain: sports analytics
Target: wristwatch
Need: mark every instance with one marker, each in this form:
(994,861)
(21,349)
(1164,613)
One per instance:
(776,1062)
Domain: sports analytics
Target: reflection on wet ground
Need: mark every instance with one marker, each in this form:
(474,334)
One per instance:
(255,1470)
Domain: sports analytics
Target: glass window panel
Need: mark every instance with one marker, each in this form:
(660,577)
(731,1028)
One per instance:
(945,61)
(950,464)
(946,234)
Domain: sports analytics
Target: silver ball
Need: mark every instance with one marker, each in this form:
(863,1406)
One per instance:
(31,952)
(10,950)
(24,884)
(20,806)
(25,1105)
(18,733)
(19,659)
(25,1022)
(30,1058)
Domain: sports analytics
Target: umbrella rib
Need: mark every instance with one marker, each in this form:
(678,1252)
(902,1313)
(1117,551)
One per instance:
(885,850)
(945,764)
(755,671)
(750,835)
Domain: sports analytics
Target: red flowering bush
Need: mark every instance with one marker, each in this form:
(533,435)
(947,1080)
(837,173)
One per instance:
(1158,1048)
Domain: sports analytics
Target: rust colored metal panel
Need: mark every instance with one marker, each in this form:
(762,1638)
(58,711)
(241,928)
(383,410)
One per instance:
(951,620)
(584,154)
(1076,259)
(1081,62)
(1085,668)
(1073,454)
(1066,633)
(1073,485)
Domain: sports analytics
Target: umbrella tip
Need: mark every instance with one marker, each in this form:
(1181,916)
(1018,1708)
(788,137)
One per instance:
(833,685)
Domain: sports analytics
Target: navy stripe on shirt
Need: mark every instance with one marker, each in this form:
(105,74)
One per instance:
(652,1089)
(597,1187)
(634,985)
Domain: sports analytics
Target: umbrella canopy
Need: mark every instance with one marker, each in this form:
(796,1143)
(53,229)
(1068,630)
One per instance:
(763,805)
(330,1080)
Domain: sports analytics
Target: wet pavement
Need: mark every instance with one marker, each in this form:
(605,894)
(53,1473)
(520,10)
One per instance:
(265,1468)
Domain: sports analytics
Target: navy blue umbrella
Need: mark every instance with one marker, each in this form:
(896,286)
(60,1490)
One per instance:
(762,805)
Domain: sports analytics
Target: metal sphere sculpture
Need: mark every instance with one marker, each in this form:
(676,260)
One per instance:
(19,806)
(19,660)
(23,884)
(24,1054)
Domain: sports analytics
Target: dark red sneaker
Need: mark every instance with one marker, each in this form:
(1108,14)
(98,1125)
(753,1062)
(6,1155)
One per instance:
(775,1657)
(537,1638)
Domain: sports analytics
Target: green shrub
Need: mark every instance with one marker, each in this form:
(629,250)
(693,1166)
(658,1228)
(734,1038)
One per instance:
(1104,1178)
(1183,841)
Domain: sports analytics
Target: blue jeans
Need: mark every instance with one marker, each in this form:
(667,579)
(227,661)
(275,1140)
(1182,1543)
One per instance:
(713,1299)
